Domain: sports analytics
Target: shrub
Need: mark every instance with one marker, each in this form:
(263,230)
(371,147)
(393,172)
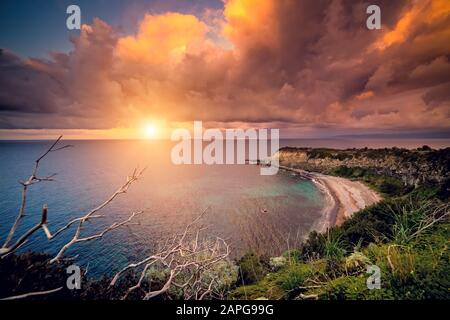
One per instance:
(277,262)
(334,251)
(251,269)
(356,262)
(294,276)
(31,272)
(413,217)
(353,288)
(333,248)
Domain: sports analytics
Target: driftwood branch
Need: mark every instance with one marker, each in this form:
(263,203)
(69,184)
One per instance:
(93,214)
(187,261)
(25,184)
(76,238)
(433,216)
(32,294)
(8,248)
(187,258)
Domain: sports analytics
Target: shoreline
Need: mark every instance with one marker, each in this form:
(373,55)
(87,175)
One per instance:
(343,197)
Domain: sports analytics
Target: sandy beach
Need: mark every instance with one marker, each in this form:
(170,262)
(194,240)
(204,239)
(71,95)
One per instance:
(344,197)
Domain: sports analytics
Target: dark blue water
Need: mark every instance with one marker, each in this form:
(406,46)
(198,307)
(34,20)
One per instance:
(254,212)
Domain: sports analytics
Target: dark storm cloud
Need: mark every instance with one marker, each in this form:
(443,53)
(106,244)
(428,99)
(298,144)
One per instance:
(24,89)
(312,63)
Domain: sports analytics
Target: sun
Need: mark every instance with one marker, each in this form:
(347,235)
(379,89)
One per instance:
(150,131)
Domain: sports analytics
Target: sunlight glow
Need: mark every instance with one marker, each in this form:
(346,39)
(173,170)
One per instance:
(150,131)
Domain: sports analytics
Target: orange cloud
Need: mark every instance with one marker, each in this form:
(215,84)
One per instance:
(249,20)
(294,63)
(163,38)
(422,12)
(365,95)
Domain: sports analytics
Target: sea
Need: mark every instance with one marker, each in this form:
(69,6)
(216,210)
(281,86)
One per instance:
(254,213)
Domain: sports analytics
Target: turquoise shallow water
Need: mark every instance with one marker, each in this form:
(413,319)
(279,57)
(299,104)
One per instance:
(254,212)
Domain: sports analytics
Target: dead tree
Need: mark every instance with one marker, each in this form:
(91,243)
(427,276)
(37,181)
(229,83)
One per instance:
(188,260)
(33,179)
(189,264)
(9,247)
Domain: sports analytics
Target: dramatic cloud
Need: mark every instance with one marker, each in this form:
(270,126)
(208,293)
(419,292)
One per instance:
(267,63)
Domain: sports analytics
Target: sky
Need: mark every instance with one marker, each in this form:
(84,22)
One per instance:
(309,68)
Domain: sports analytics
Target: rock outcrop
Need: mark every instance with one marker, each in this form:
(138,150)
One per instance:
(412,167)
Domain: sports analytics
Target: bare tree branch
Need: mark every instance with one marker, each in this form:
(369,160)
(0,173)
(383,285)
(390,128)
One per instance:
(432,217)
(31,294)
(76,238)
(25,184)
(187,261)
(7,248)
(26,235)
(91,214)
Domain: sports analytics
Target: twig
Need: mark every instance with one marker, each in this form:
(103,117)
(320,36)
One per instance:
(181,257)
(32,294)
(76,238)
(7,250)
(30,181)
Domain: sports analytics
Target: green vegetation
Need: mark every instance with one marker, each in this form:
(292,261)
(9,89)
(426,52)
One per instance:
(406,235)
(386,185)
(31,272)
(413,258)
(252,268)
(393,172)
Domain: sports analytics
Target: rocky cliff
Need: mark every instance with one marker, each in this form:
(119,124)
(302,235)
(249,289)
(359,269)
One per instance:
(412,167)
